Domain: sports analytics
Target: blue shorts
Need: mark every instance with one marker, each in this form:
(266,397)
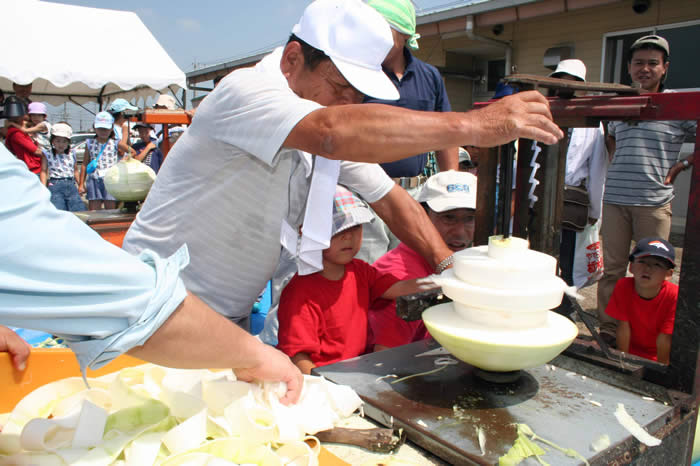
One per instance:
(96,190)
(64,194)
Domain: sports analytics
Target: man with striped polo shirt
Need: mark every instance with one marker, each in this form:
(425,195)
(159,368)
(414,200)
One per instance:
(637,199)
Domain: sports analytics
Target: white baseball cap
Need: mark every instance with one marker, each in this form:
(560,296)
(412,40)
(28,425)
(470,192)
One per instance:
(61,130)
(572,67)
(356,38)
(449,190)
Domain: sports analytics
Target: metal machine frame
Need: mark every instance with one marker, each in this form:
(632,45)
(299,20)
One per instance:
(678,382)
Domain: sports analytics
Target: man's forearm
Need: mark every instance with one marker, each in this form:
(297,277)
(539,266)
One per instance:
(195,336)
(408,221)
(383,133)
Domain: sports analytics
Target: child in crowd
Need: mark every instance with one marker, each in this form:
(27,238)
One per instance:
(146,149)
(323,316)
(645,304)
(103,149)
(121,125)
(59,170)
(16,140)
(39,128)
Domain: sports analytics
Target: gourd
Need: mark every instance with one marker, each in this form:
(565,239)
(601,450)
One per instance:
(129,180)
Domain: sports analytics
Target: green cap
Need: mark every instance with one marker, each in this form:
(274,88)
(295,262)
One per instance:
(400,15)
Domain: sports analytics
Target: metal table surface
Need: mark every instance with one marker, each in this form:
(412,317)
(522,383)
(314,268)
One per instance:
(559,405)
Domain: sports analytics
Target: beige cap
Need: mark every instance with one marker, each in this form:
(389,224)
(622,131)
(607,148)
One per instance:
(167,101)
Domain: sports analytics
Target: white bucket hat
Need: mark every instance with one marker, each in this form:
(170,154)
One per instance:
(356,38)
(61,130)
(167,101)
(449,190)
(573,67)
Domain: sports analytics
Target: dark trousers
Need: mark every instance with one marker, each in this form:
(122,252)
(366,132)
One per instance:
(566,255)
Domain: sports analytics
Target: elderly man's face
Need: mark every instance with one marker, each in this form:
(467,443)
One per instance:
(327,86)
(456,227)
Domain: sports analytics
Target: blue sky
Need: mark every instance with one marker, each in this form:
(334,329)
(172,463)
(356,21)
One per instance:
(209,31)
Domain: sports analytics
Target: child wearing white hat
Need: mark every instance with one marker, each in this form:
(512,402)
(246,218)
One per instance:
(59,170)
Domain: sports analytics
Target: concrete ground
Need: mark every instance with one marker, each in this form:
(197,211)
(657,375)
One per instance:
(589,303)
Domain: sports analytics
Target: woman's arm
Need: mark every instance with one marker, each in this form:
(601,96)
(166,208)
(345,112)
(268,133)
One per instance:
(144,152)
(44,173)
(124,147)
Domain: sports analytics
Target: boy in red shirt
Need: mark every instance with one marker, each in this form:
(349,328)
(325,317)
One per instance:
(645,304)
(17,141)
(323,316)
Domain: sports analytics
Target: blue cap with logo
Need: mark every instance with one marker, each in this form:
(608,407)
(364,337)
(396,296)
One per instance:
(654,247)
(104,120)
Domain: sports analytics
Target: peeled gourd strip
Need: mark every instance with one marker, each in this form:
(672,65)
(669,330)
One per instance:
(155,415)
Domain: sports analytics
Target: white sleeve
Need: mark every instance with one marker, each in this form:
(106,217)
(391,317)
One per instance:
(597,171)
(369,180)
(253,111)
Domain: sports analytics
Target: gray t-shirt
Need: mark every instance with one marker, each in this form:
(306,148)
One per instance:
(644,153)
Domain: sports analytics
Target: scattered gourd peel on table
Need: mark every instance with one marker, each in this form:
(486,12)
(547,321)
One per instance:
(525,446)
(155,415)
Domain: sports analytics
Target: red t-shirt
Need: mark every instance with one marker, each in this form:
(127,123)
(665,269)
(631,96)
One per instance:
(387,328)
(24,148)
(647,317)
(328,318)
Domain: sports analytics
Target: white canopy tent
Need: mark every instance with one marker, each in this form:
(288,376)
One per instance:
(97,54)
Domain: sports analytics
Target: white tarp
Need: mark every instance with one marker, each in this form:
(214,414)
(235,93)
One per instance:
(67,50)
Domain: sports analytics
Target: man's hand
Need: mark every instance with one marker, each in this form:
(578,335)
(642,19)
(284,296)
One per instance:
(275,366)
(522,115)
(18,348)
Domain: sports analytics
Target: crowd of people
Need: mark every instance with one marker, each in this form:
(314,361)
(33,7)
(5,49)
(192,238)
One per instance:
(276,179)
(47,151)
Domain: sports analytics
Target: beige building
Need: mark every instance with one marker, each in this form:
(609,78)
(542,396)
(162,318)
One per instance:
(476,45)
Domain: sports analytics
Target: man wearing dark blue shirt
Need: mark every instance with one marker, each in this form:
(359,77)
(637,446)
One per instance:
(420,88)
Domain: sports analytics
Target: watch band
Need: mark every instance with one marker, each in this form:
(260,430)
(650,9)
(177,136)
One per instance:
(685,163)
(446,262)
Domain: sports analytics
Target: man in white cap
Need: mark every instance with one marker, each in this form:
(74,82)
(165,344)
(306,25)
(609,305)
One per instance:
(586,165)
(449,199)
(639,187)
(242,179)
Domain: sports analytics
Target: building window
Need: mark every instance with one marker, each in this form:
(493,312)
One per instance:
(684,70)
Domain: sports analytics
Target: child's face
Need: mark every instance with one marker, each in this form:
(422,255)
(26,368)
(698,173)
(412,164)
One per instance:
(344,246)
(103,133)
(650,272)
(37,118)
(60,144)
